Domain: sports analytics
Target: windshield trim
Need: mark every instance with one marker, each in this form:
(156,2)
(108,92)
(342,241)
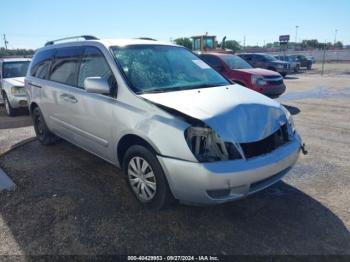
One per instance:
(133,89)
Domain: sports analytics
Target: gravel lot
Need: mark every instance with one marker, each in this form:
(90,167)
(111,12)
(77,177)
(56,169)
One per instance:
(70,202)
(14,129)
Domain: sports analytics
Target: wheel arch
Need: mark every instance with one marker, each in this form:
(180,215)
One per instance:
(32,106)
(129,140)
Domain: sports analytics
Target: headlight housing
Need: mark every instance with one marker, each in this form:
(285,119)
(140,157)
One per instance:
(17,90)
(289,119)
(258,80)
(207,146)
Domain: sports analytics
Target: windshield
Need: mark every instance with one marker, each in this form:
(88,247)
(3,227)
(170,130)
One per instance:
(15,69)
(235,62)
(161,68)
(270,58)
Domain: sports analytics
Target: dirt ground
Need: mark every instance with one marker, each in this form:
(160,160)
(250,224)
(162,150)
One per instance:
(14,129)
(70,202)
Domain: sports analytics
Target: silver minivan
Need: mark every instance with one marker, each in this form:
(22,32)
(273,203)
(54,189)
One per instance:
(177,128)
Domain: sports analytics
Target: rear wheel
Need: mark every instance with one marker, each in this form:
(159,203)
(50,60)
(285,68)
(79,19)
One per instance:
(146,178)
(9,110)
(42,132)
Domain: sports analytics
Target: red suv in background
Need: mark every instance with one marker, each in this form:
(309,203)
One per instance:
(233,67)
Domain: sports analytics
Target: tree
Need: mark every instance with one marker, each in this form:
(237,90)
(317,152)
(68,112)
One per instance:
(16,52)
(184,41)
(338,45)
(233,45)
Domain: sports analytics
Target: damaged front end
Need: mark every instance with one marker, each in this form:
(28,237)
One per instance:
(207,146)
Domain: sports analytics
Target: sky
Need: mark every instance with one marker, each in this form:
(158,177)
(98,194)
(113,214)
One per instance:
(30,23)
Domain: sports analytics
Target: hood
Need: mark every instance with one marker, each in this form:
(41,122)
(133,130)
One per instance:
(16,81)
(258,71)
(236,113)
(280,62)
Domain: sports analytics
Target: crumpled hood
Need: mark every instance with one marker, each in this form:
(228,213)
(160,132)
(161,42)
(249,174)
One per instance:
(16,81)
(236,113)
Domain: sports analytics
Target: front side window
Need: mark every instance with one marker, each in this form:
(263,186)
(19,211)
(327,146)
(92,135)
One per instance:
(15,69)
(235,62)
(94,64)
(158,68)
(65,65)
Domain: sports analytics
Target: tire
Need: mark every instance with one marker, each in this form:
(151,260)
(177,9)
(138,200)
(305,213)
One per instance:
(42,132)
(296,69)
(309,67)
(149,186)
(283,74)
(8,108)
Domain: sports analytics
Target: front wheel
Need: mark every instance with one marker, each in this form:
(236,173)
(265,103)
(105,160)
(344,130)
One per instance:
(42,132)
(146,178)
(9,110)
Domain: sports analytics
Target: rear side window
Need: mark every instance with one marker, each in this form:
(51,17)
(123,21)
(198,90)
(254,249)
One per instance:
(41,64)
(212,60)
(93,64)
(65,66)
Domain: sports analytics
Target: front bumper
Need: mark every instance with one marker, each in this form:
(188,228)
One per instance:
(219,182)
(274,90)
(284,70)
(17,101)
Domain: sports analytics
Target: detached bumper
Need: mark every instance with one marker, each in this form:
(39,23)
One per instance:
(18,101)
(219,182)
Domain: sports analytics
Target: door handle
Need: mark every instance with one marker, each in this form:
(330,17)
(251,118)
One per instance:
(69,98)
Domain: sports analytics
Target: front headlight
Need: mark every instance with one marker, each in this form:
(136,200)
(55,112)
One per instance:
(17,90)
(289,119)
(280,66)
(258,80)
(207,146)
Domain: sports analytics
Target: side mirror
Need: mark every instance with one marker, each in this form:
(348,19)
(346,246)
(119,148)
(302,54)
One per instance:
(96,85)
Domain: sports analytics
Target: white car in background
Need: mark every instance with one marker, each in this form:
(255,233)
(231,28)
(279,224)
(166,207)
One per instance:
(12,73)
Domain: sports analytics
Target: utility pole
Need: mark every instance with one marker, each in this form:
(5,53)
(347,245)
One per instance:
(324,57)
(335,36)
(244,43)
(296,33)
(5,42)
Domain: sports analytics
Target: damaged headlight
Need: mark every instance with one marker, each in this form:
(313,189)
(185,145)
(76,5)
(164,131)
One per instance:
(289,119)
(207,146)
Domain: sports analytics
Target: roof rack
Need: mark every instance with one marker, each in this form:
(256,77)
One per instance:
(147,38)
(86,37)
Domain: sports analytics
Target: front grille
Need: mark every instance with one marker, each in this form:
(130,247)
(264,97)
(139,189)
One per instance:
(278,82)
(274,80)
(267,145)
